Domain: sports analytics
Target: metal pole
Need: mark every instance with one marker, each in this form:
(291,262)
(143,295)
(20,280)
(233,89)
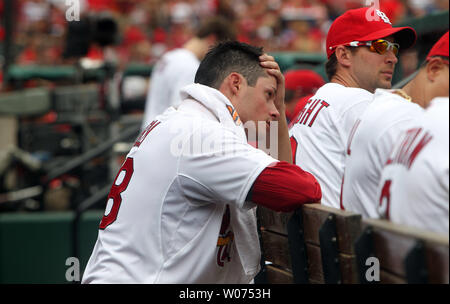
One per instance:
(8,18)
(90,154)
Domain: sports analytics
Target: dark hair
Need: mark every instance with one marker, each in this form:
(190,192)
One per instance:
(218,26)
(331,66)
(332,63)
(228,57)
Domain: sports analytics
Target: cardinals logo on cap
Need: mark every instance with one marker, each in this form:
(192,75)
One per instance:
(383,16)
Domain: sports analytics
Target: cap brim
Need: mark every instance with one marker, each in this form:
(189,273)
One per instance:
(405,36)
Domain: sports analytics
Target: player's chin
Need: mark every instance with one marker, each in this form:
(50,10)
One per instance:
(386,80)
(385,83)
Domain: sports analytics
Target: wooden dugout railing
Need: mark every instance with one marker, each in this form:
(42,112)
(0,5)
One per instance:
(319,244)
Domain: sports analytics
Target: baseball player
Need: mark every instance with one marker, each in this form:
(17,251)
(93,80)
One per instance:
(362,54)
(181,209)
(377,130)
(414,186)
(177,68)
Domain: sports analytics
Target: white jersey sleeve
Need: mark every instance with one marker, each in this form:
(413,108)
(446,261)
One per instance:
(224,170)
(369,146)
(414,188)
(321,135)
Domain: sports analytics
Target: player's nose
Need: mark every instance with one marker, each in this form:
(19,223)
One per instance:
(391,58)
(274,114)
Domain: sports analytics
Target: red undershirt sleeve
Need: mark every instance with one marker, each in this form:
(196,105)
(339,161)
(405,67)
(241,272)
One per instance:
(285,187)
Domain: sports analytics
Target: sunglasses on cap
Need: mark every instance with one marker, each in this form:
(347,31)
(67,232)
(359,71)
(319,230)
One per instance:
(379,46)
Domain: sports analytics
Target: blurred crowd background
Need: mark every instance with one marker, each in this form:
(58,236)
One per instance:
(148,28)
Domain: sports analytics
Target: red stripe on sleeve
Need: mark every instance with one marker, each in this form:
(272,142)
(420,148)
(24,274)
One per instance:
(285,187)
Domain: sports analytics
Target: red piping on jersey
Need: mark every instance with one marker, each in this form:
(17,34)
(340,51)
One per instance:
(285,187)
(340,196)
(294,146)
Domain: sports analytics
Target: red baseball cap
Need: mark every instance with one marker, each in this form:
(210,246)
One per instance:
(440,48)
(366,24)
(306,79)
(133,35)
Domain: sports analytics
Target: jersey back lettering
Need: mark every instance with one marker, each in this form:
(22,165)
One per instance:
(418,172)
(322,134)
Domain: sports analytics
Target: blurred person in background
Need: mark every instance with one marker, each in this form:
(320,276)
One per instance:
(177,68)
(300,86)
(409,62)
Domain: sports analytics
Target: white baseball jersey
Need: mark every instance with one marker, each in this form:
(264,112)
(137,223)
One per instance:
(414,188)
(319,138)
(176,212)
(173,71)
(372,139)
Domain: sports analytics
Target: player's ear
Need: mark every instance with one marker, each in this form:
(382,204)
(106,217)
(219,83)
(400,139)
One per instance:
(343,55)
(235,83)
(231,85)
(435,66)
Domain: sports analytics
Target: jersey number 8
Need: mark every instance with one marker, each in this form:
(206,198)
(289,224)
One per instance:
(114,196)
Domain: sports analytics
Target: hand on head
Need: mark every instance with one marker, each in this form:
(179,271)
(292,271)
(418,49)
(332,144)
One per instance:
(273,69)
